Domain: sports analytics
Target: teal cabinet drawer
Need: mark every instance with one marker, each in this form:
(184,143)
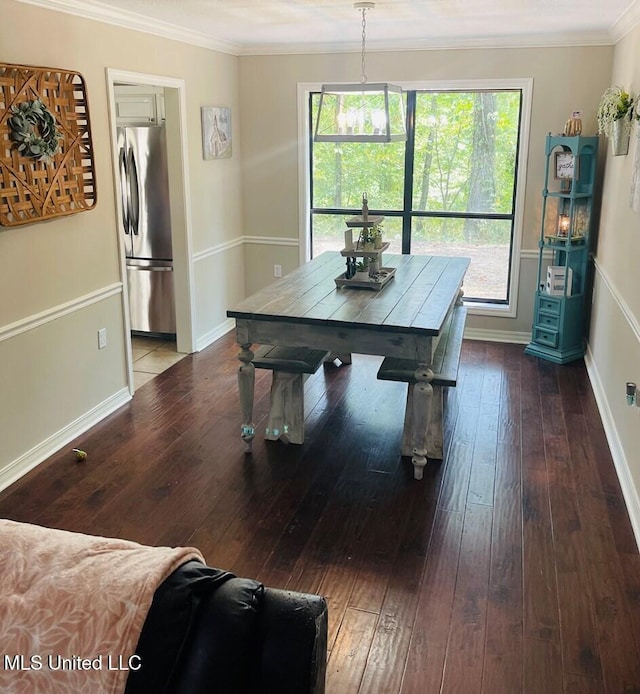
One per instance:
(549,305)
(545,337)
(547,321)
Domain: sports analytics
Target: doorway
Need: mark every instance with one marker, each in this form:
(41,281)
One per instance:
(170,108)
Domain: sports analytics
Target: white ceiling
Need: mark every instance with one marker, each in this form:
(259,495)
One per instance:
(286,26)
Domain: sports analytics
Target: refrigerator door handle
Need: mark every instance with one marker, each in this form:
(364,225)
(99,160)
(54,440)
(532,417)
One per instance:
(134,193)
(124,194)
(150,268)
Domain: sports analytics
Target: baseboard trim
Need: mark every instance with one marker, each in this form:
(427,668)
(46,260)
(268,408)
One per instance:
(29,460)
(497,336)
(215,334)
(617,452)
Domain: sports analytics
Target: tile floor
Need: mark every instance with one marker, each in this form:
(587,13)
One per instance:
(152,356)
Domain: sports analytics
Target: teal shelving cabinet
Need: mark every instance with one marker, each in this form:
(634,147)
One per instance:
(558,331)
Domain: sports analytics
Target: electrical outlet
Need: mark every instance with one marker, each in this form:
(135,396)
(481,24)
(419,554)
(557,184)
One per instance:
(277,270)
(102,338)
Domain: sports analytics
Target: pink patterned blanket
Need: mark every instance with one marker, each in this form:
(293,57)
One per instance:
(72,607)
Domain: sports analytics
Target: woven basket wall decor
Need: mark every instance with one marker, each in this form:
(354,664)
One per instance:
(33,189)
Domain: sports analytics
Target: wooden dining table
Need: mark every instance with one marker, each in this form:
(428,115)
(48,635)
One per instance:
(305,308)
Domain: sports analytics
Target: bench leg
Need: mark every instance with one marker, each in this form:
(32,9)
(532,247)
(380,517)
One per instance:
(286,414)
(434,430)
(421,417)
(246,380)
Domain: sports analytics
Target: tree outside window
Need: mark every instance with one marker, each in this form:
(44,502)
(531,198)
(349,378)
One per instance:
(449,190)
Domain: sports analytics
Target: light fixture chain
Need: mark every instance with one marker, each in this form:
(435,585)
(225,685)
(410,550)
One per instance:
(363,79)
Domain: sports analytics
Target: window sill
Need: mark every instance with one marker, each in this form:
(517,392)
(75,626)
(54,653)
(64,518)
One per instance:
(477,308)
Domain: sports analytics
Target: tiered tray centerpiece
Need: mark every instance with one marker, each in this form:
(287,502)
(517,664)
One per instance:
(364,255)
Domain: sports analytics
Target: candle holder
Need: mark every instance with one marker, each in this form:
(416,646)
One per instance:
(564,225)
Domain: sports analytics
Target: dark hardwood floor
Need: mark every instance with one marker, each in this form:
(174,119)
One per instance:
(511,567)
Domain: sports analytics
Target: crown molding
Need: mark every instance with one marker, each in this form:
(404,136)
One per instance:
(97,11)
(558,40)
(627,21)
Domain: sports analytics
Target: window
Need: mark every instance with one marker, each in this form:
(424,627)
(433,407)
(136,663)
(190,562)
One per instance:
(451,189)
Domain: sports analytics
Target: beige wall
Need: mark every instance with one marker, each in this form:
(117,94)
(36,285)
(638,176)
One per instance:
(614,342)
(60,281)
(565,80)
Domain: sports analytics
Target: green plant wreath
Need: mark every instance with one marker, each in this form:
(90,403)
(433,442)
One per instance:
(33,127)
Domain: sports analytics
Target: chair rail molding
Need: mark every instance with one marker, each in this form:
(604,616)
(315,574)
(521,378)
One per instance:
(55,312)
(626,311)
(217,249)
(272,240)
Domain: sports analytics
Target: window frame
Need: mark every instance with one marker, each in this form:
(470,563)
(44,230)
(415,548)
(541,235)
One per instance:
(525,85)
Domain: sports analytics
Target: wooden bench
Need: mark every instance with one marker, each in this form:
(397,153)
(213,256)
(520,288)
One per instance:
(289,366)
(446,361)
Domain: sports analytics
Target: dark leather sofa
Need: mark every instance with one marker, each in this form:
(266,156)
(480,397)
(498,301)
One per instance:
(210,631)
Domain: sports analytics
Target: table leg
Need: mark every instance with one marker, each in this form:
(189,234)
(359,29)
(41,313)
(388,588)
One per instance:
(422,407)
(246,382)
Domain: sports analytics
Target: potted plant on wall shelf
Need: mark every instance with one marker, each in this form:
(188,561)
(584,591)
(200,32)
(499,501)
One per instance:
(614,118)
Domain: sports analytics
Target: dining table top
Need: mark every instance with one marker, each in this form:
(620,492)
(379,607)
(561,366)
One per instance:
(415,301)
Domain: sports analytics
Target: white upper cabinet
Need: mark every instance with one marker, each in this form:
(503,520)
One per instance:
(139,105)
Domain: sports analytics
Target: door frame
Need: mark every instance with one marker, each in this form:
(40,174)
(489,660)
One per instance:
(181,223)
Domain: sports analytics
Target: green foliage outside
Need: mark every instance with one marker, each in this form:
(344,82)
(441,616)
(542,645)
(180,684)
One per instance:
(464,161)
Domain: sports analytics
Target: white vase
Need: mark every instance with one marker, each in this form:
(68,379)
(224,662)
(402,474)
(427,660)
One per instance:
(362,276)
(619,138)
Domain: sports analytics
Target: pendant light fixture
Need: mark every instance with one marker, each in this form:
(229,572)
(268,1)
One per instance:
(361,112)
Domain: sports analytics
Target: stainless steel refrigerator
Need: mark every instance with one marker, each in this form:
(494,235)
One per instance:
(146,225)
